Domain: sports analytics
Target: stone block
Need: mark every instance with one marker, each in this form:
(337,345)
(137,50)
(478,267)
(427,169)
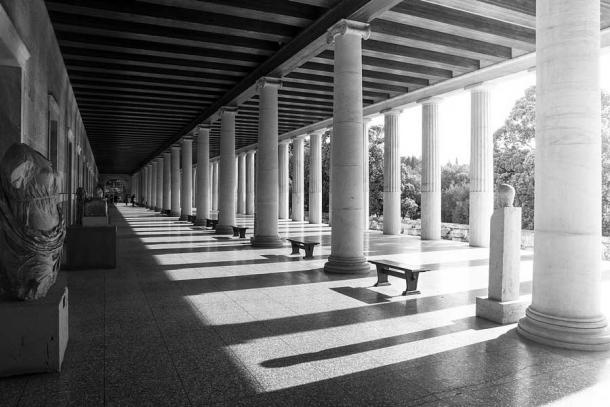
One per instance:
(90,247)
(507,312)
(34,334)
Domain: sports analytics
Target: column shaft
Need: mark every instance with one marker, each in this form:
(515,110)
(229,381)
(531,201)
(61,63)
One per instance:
(250,183)
(266,196)
(365,173)
(481,168)
(568,180)
(167,182)
(202,201)
(241,183)
(315,178)
(186,188)
(226,184)
(149,197)
(391,175)
(298,179)
(431,173)
(347,242)
(215,187)
(160,172)
(176,181)
(284,181)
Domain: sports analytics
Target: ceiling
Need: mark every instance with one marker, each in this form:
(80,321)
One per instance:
(147,72)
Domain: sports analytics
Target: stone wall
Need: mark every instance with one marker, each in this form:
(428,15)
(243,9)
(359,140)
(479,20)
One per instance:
(36,95)
(458,232)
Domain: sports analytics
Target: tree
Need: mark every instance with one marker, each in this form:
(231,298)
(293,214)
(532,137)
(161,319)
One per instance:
(455,190)
(410,187)
(376,170)
(514,151)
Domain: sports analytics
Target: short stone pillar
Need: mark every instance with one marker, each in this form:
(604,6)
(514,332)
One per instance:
(503,304)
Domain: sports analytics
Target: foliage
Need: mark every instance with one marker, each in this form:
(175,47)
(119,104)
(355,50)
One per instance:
(376,170)
(514,151)
(455,190)
(410,186)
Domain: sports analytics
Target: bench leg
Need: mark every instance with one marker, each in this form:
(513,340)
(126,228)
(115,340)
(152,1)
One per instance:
(295,248)
(411,279)
(235,232)
(242,233)
(308,252)
(382,278)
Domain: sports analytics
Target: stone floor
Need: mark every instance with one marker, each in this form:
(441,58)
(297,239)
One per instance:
(190,318)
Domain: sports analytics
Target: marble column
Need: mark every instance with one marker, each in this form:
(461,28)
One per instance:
(215,186)
(365,172)
(160,172)
(391,174)
(186,187)
(347,241)
(227,181)
(266,196)
(566,286)
(151,177)
(155,184)
(167,182)
(284,181)
(145,186)
(176,181)
(202,201)
(481,168)
(250,182)
(298,179)
(315,177)
(431,173)
(241,183)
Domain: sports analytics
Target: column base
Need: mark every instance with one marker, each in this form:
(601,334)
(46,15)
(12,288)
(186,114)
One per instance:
(580,334)
(224,229)
(347,265)
(266,241)
(507,312)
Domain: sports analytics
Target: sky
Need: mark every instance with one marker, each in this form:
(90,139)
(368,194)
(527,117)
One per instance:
(454,111)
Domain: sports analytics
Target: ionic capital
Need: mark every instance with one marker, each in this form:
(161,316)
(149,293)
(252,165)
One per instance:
(345,27)
(228,110)
(268,81)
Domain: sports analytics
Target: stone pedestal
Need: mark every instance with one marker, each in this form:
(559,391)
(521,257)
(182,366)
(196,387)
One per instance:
(503,304)
(34,334)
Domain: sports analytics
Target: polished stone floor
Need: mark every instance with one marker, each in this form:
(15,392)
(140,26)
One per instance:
(191,318)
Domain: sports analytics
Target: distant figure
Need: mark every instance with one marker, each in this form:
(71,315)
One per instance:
(133,200)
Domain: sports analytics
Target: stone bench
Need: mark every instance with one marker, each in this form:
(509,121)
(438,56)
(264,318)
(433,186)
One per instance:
(407,272)
(239,231)
(306,244)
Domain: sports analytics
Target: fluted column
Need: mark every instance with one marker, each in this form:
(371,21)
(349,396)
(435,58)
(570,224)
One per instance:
(149,186)
(215,186)
(186,187)
(284,181)
(160,173)
(145,186)
(266,196)
(365,172)
(391,174)
(155,184)
(167,182)
(202,201)
(481,168)
(298,179)
(566,286)
(315,177)
(250,182)
(241,183)
(431,173)
(226,184)
(347,242)
(176,181)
